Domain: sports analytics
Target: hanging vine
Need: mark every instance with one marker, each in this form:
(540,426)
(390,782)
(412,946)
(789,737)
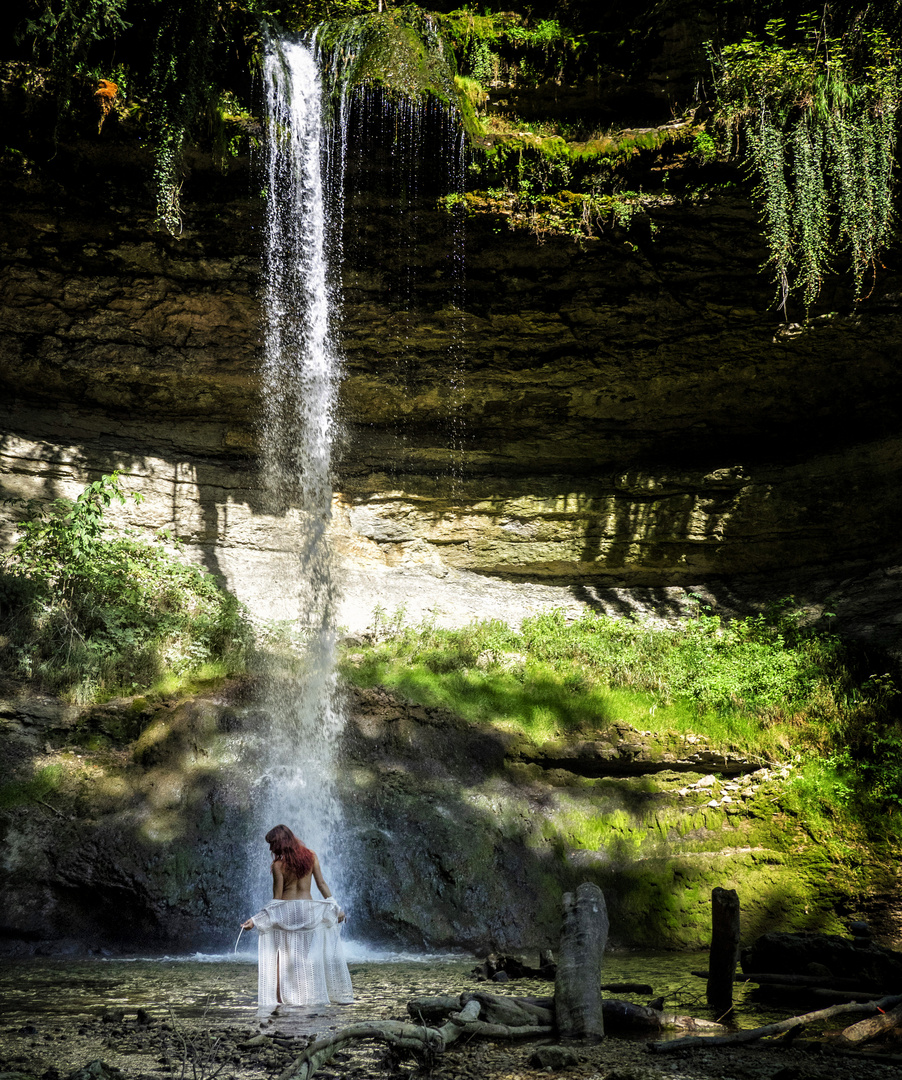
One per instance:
(180,88)
(817,123)
(177,66)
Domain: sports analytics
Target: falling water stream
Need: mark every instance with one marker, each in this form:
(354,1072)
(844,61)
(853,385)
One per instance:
(301,371)
(308,132)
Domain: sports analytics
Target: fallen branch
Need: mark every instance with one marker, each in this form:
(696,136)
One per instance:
(693,1042)
(496,1008)
(524,1015)
(502,1031)
(413,1037)
(625,1016)
(510,1011)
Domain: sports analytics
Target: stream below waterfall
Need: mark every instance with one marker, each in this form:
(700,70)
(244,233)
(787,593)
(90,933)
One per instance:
(223,989)
(196,1017)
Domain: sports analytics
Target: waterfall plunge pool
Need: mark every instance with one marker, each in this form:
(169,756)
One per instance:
(221,989)
(148,1017)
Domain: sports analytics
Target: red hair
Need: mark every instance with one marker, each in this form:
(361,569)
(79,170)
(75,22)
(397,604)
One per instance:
(286,848)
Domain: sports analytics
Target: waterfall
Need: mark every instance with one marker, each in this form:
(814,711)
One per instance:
(301,368)
(306,160)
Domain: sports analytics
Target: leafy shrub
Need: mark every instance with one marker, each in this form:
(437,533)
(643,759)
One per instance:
(87,611)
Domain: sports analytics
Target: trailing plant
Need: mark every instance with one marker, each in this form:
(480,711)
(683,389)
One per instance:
(565,213)
(503,45)
(817,122)
(178,71)
(551,163)
(182,90)
(87,610)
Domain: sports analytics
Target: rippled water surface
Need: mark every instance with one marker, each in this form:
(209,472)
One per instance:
(223,989)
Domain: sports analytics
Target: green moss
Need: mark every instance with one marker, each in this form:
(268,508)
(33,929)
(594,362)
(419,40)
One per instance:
(400,51)
(508,47)
(25,792)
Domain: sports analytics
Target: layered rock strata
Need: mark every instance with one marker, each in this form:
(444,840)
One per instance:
(625,410)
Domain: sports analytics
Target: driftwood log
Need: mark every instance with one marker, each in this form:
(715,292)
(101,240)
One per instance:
(519,1012)
(577,985)
(416,1038)
(874,1026)
(691,1042)
(724,954)
(479,1014)
(625,1016)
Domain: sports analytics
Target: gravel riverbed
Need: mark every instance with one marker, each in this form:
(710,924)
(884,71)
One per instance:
(150,1020)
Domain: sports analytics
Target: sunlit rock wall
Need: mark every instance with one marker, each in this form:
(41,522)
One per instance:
(627,410)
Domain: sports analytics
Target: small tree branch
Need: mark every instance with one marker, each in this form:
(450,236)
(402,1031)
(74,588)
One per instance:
(693,1042)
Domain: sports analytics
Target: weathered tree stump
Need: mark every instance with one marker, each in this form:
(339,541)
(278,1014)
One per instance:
(577,988)
(724,948)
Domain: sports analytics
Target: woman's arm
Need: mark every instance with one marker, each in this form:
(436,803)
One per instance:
(323,887)
(278,880)
(318,878)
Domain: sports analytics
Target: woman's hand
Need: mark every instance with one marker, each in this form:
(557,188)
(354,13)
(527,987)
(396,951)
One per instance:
(341,915)
(249,925)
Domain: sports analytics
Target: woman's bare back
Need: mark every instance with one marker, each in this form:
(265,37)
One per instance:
(287,887)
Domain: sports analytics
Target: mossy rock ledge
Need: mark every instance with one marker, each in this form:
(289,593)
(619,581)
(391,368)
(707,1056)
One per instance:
(124,823)
(471,835)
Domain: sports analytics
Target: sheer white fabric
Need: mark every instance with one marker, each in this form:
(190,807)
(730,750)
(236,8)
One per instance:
(300,954)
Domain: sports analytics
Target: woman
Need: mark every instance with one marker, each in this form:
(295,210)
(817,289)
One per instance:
(301,960)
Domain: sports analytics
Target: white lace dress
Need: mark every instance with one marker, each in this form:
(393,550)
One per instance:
(301,958)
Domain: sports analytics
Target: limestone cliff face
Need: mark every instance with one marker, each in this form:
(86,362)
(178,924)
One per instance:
(622,410)
(122,824)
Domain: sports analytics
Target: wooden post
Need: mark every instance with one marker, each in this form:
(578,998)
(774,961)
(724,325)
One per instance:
(577,986)
(724,948)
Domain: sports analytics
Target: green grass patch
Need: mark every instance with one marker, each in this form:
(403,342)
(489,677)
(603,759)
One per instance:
(24,792)
(767,686)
